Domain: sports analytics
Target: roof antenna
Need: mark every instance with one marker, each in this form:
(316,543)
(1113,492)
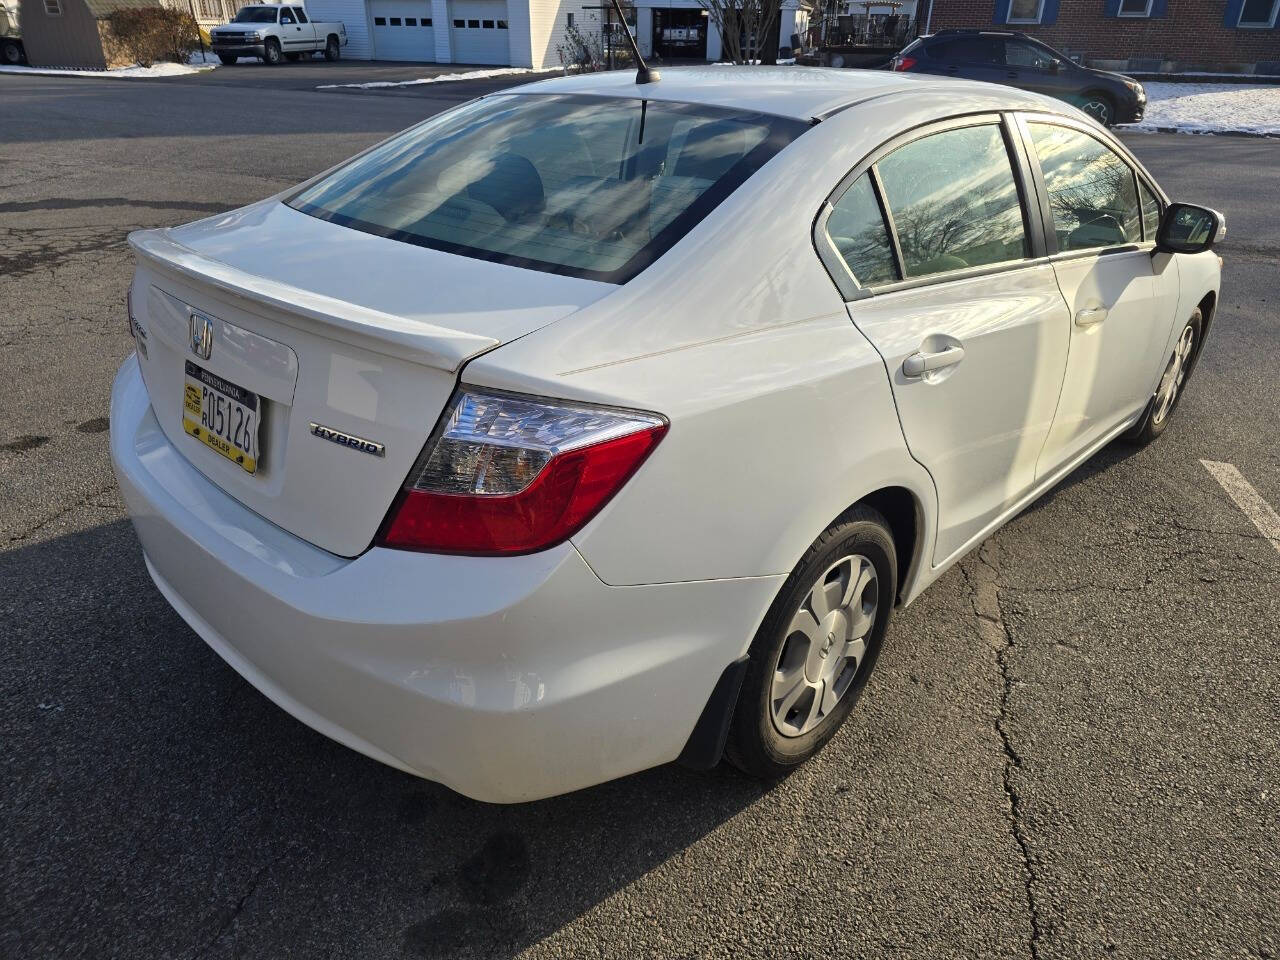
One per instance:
(644,73)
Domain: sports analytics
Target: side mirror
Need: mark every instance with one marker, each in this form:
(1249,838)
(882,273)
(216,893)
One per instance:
(1186,228)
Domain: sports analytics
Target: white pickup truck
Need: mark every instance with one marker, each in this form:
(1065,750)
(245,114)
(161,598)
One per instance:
(272,31)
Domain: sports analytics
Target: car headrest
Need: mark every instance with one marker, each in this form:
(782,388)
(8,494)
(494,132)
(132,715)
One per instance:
(512,187)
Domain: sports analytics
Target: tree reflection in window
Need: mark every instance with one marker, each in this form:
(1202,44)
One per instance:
(857,231)
(954,201)
(1091,190)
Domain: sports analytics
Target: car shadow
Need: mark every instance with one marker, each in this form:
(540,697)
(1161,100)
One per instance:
(159,805)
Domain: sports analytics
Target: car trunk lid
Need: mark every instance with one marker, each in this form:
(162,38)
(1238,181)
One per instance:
(349,345)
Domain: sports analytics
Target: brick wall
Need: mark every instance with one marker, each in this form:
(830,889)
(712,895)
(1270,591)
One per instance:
(1191,35)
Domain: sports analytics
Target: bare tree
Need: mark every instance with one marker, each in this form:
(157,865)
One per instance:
(745,27)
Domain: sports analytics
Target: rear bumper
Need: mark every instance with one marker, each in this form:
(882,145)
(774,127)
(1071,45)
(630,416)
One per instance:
(506,679)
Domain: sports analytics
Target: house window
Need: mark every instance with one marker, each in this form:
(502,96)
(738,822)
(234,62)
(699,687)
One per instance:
(1134,8)
(1025,11)
(53,7)
(570,16)
(1256,13)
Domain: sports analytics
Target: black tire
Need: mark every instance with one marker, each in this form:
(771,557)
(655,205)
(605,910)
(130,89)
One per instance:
(1100,106)
(1156,419)
(756,744)
(271,52)
(331,49)
(227,59)
(10,52)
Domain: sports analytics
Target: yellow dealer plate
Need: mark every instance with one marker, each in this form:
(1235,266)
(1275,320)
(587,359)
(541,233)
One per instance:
(222,415)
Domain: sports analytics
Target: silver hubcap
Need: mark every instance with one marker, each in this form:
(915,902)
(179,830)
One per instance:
(1098,110)
(1174,374)
(825,644)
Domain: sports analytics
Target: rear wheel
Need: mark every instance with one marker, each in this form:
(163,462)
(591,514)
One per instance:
(1100,107)
(227,59)
(1169,390)
(10,52)
(271,52)
(331,49)
(816,647)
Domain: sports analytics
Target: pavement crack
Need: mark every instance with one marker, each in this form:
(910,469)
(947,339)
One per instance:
(86,500)
(983,580)
(233,915)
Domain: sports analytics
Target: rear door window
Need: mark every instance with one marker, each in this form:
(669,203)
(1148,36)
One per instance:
(954,201)
(857,231)
(970,50)
(587,186)
(1092,194)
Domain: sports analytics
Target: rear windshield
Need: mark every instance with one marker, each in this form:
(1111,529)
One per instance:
(256,15)
(591,187)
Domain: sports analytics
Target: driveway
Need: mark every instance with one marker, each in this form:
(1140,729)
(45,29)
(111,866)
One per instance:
(1069,747)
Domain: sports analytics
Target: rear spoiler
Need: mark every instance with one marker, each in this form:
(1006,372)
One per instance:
(345,322)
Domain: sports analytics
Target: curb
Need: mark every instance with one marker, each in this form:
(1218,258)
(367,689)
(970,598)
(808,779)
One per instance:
(1246,134)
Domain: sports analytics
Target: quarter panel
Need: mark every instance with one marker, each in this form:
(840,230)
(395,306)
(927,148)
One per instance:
(773,435)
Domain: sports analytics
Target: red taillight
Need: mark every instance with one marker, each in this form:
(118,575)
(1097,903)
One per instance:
(904,63)
(546,452)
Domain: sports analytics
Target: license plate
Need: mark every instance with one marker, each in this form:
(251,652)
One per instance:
(221,415)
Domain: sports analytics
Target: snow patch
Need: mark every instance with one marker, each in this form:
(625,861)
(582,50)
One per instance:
(134,72)
(1211,108)
(442,78)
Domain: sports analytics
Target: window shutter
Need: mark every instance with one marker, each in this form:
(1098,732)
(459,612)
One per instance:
(1002,11)
(1050,13)
(1159,8)
(1232,17)
(1112,8)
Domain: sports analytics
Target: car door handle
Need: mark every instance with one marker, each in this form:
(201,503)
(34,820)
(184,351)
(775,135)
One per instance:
(1088,316)
(918,364)
(1012,74)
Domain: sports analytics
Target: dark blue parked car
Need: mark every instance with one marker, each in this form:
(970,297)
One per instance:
(1021,61)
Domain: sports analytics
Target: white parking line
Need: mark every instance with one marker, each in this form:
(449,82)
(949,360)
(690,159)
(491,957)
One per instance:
(1247,499)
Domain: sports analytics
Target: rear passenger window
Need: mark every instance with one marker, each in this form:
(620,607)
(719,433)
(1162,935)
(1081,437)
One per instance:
(856,228)
(1150,213)
(954,201)
(972,49)
(1091,190)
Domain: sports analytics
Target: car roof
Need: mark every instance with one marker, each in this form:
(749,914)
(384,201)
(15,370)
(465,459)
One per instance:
(805,93)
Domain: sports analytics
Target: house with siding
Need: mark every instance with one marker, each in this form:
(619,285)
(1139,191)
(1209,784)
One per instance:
(518,33)
(1136,36)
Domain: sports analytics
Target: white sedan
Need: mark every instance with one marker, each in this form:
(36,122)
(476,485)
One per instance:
(595,424)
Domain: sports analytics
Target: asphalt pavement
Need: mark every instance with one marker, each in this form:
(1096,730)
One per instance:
(1069,747)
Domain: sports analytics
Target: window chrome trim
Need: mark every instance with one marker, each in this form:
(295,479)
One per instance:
(848,286)
(968,273)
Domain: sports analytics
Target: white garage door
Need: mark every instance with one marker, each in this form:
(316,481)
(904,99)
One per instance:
(479,29)
(402,30)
